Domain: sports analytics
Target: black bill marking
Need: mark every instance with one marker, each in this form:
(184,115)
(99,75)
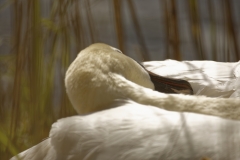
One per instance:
(169,85)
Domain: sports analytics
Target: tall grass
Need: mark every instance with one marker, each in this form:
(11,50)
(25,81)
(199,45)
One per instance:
(43,42)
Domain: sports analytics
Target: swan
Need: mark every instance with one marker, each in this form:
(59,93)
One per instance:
(126,119)
(105,74)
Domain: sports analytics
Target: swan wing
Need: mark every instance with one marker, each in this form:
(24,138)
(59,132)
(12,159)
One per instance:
(41,151)
(209,78)
(132,131)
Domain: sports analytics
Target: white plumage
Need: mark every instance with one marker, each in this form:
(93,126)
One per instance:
(209,78)
(134,131)
(130,127)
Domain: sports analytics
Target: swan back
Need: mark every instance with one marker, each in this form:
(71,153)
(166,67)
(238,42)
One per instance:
(131,131)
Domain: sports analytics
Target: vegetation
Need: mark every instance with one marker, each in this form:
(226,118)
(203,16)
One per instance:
(45,36)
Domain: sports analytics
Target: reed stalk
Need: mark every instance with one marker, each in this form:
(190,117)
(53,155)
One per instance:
(43,43)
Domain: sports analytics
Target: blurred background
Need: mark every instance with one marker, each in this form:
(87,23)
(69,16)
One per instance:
(40,38)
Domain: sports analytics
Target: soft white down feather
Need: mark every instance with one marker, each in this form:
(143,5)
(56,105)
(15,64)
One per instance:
(132,131)
(130,123)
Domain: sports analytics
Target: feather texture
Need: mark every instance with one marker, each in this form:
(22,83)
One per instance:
(209,78)
(133,131)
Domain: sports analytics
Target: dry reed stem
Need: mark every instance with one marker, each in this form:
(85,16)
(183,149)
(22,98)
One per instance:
(43,47)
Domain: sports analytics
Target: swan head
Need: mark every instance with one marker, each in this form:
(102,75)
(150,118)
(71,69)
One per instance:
(92,78)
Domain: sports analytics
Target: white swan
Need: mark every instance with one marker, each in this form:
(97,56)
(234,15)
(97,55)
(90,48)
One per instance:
(100,74)
(131,127)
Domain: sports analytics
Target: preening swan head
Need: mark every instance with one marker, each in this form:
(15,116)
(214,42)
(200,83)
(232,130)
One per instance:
(92,79)
(101,74)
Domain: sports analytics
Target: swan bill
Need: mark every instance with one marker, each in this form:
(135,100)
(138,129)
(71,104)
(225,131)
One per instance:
(170,85)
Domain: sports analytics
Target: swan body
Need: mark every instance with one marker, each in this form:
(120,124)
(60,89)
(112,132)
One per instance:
(132,131)
(132,121)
